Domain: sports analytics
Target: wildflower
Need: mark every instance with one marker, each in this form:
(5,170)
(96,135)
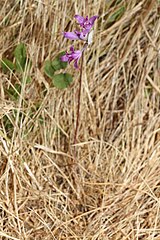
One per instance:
(85,23)
(75,35)
(72,56)
(85,34)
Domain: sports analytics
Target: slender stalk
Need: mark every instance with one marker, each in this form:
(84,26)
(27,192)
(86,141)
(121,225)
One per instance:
(79,100)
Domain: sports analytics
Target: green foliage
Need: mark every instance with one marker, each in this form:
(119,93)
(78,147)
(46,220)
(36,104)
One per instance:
(57,64)
(21,68)
(62,80)
(51,66)
(20,56)
(117,14)
(7,65)
(48,69)
(22,63)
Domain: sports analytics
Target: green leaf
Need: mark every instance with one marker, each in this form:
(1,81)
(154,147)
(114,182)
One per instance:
(62,80)
(48,69)
(57,64)
(20,56)
(116,15)
(7,65)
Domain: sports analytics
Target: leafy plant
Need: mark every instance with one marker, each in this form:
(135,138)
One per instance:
(48,69)
(61,80)
(22,63)
(21,66)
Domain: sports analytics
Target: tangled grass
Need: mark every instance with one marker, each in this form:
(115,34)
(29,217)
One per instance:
(113,190)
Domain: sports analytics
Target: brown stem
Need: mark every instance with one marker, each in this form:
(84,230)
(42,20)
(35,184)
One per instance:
(79,100)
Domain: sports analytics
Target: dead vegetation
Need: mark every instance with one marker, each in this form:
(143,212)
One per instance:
(113,190)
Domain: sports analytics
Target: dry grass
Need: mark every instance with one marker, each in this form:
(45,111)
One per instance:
(113,191)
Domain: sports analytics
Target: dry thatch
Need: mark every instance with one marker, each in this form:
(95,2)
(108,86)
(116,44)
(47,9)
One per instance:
(113,190)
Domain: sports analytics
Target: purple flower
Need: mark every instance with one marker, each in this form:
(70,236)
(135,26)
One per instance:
(75,35)
(86,23)
(85,34)
(72,56)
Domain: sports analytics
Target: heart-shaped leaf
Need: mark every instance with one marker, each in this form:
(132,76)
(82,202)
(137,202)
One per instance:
(57,64)
(62,80)
(48,69)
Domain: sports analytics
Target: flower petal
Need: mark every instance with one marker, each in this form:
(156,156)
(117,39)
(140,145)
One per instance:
(70,35)
(80,19)
(64,58)
(92,19)
(81,35)
(86,31)
(72,56)
(76,54)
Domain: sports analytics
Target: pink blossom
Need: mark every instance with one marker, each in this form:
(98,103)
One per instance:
(72,56)
(75,35)
(86,23)
(85,34)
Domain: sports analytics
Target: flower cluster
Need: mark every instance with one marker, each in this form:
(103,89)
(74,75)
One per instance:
(86,24)
(73,55)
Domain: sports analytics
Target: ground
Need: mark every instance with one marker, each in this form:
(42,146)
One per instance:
(107,185)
